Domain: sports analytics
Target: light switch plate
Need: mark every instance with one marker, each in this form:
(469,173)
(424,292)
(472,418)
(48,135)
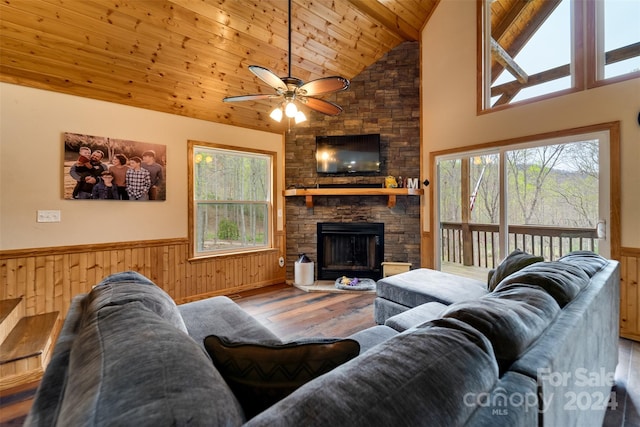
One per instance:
(48,216)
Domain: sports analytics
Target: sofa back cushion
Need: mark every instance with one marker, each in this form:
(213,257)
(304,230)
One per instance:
(561,280)
(428,376)
(511,319)
(130,366)
(589,261)
(129,286)
(262,373)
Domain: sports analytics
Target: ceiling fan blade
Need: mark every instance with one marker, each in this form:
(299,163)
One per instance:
(325,107)
(269,78)
(324,85)
(248,97)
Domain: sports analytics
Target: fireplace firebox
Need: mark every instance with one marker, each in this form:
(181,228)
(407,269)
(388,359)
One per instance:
(351,249)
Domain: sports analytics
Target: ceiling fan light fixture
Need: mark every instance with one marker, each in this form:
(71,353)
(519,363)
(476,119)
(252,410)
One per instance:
(300,117)
(289,89)
(290,109)
(276,114)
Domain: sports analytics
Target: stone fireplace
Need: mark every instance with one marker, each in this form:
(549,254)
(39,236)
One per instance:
(378,101)
(350,249)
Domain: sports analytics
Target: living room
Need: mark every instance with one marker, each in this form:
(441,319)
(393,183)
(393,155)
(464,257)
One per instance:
(49,263)
(155,236)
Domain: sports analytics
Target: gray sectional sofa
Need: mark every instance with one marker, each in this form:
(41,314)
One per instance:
(538,349)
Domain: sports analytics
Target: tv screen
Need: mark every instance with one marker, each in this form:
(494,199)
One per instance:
(348,153)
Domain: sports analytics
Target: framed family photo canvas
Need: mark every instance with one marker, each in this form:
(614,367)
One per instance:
(103,168)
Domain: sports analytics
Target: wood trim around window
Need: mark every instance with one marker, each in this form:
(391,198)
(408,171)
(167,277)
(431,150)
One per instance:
(191,208)
(614,164)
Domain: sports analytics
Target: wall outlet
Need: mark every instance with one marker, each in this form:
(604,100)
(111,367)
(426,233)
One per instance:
(48,216)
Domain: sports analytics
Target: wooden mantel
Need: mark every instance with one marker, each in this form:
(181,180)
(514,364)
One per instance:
(391,193)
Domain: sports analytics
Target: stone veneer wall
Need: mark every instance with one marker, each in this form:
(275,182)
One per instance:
(384,99)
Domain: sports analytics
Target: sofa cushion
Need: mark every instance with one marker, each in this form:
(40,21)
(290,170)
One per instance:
(424,285)
(371,337)
(515,261)
(129,286)
(512,320)
(415,316)
(561,280)
(261,374)
(590,262)
(222,316)
(412,379)
(383,309)
(129,366)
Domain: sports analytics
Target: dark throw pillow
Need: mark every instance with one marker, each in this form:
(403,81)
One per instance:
(516,261)
(262,374)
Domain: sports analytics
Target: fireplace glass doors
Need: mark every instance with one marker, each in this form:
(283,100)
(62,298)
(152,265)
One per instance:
(350,249)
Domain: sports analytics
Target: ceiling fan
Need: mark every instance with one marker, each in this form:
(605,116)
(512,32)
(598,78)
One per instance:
(291,90)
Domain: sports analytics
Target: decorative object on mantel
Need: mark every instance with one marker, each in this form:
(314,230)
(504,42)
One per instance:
(390,182)
(355,284)
(292,89)
(413,183)
(400,182)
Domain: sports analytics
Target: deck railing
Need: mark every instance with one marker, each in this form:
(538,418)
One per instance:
(478,244)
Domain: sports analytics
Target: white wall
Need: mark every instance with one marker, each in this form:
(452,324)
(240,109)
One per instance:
(32,122)
(449,106)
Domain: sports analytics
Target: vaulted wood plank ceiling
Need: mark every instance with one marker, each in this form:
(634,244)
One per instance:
(184,56)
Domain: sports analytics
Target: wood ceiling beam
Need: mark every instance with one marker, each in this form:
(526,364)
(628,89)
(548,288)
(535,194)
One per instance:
(523,19)
(508,62)
(622,53)
(512,88)
(391,21)
(508,19)
(509,90)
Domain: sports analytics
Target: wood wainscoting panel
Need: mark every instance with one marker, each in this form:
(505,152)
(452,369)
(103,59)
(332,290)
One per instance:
(629,294)
(48,278)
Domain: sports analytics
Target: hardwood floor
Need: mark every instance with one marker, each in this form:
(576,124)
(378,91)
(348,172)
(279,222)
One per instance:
(291,313)
(627,387)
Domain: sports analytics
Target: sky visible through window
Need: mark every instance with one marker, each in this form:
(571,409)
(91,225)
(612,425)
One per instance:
(550,46)
(621,28)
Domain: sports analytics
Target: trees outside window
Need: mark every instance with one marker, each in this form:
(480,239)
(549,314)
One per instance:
(549,196)
(230,199)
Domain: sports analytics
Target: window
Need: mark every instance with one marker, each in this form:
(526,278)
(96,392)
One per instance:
(230,199)
(547,195)
(616,41)
(537,48)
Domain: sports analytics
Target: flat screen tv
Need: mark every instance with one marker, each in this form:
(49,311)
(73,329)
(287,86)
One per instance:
(348,154)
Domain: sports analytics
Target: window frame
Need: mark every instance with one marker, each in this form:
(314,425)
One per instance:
(194,254)
(592,51)
(584,72)
(611,159)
